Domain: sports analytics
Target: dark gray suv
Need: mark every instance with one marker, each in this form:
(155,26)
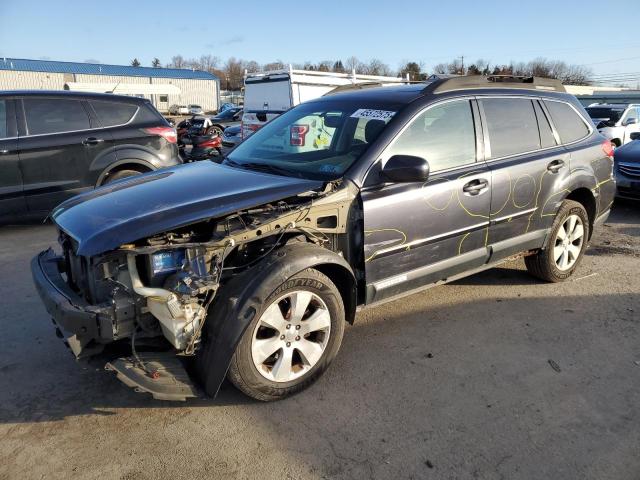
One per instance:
(250,269)
(54,145)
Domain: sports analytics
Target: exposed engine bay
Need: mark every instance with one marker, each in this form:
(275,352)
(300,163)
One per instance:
(164,285)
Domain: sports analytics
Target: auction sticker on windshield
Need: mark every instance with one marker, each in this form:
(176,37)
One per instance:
(372,114)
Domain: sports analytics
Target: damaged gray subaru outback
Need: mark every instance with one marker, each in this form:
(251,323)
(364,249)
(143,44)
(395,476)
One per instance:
(249,269)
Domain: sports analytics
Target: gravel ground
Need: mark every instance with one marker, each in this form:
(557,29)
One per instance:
(495,376)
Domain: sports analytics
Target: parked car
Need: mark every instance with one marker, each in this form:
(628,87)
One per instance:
(54,145)
(269,94)
(178,110)
(227,118)
(251,268)
(232,136)
(225,106)
(616,121)
(194,110)
(627,168)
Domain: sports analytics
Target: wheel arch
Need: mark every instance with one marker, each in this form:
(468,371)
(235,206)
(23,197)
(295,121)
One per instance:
(585,197)
(240,299)
(124,164)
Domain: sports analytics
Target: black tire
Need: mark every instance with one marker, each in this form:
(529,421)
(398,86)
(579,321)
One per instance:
(215,130)
(242,371)
(112,177)
(542,265)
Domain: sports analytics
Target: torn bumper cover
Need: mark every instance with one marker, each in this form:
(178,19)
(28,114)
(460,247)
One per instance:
(77,322)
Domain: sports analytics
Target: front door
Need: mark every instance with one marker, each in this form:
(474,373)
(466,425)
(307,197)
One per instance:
(12,202)
(54,150)
(419,233)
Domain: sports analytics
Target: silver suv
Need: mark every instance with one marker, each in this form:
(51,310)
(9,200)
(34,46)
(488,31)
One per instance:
(616,121)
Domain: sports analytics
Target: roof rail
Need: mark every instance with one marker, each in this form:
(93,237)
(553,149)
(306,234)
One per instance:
(356,86)
(495,81)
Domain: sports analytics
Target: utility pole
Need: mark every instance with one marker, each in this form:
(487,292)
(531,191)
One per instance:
(462,67)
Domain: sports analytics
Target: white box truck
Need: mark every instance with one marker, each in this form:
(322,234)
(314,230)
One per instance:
(268,94)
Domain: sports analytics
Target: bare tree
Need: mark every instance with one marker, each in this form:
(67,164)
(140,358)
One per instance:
(377,67)
(155,63)
(353,64)
(208,63)
(177,61)
(440,68)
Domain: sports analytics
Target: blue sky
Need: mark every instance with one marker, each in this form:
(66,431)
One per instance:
(115,31)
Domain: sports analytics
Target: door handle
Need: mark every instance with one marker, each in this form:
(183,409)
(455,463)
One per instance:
(92,141)
(555,166)
(475,187)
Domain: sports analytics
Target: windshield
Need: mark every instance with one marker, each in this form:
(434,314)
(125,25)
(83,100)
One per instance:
(608,113)
(229,113)
(318,140)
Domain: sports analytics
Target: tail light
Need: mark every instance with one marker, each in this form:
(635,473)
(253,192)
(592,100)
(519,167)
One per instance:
(607,148)
(168,133)
(298,134)
(214,142)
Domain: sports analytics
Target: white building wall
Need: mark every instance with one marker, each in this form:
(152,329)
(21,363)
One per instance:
(193,91)
(17,80)
(196,91)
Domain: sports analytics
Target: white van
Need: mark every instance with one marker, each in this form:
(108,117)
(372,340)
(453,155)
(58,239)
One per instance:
(268,94)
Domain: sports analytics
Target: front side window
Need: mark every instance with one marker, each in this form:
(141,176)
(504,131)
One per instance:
(568,123)
(54,115)
(113,113)
(318,140)
(3,119)
(444,135)
(512,126)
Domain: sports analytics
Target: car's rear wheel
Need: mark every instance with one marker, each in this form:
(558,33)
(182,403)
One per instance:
(568,241)
(292,341)
(119,175)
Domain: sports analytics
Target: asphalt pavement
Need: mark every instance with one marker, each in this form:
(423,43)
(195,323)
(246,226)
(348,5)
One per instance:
(494,376)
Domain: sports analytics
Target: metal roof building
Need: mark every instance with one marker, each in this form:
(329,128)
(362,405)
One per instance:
(163,86)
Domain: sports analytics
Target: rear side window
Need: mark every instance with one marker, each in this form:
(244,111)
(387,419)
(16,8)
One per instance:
(113,113)
(3,119)
(443,134)
(568,123)
(54,115)
(512,126)
(546,134)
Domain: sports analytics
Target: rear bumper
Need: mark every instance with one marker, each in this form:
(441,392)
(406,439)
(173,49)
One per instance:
(77,322)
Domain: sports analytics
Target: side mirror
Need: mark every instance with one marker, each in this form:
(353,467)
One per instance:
(630,121)
(634,136)
(405,169)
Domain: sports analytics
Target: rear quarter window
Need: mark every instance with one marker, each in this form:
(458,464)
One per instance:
(113,113)
(148,114)
(568,123)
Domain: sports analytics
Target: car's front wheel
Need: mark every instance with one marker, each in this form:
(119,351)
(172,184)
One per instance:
(568,241)
(292,341)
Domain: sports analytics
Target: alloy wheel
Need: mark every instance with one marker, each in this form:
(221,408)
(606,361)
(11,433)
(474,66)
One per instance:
(291,336)
(568,243)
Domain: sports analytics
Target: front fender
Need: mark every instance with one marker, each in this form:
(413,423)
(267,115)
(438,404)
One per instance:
(242,298)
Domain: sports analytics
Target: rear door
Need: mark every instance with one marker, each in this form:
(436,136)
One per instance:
(54,144)
(12,201)
(528,167)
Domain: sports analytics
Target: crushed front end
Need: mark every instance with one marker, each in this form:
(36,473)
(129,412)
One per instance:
(158,290)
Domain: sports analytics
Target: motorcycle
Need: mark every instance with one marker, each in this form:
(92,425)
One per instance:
(203,147)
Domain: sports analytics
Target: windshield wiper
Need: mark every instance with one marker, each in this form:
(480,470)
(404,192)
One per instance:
(260,167)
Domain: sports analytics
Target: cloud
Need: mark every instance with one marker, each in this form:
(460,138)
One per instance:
(226,42)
